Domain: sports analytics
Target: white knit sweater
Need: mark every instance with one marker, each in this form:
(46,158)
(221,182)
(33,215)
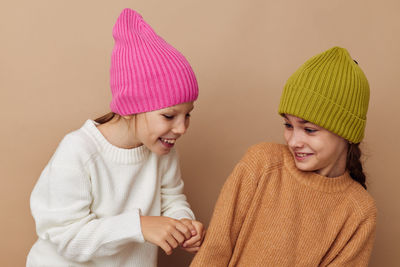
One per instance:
(88,200)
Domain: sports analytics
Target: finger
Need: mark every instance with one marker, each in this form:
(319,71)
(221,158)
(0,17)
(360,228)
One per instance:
(172,241)
(178,236)
(192,250)
(199,227)
(166,247)
(197,244)
(202,231)
(190,242)
(189,224)
(184,229)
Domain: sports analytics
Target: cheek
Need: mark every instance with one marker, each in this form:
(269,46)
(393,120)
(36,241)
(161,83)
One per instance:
(159,130)
(140,133)
(319,145)
(154,126)
(286,134)
(140,128)
(339,148)
(330,148)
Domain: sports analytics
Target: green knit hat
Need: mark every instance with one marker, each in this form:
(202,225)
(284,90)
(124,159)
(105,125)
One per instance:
(329,90)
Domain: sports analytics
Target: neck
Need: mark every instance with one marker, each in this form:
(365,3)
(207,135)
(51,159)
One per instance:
(120,132)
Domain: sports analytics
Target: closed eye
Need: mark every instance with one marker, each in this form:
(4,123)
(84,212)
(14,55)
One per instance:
(168,117)
(309,130)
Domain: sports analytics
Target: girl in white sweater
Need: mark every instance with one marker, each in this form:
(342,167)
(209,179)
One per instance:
(112,192)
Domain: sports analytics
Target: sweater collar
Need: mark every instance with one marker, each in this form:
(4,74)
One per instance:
(317,181)
(114,153)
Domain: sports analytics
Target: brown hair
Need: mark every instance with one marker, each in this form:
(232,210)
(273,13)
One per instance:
(111,115)
(107,117)
(354,165)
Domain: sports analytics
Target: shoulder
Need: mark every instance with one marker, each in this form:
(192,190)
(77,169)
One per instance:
(364,204)
(76,148)
(258,162)
(264,155)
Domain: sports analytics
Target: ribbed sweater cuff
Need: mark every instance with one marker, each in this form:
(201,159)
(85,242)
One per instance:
(182,214)
(128,226)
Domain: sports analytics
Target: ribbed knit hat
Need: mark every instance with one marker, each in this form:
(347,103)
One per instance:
(329,90)
(146,72)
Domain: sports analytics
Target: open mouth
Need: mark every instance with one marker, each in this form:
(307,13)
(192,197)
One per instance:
(302,156)
(167,142)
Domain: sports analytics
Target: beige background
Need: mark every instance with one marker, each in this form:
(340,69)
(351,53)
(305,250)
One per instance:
(54,63)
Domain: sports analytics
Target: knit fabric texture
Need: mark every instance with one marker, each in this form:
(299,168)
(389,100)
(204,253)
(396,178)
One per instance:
(329,90)
(88,201)
(269,213)
(146,72)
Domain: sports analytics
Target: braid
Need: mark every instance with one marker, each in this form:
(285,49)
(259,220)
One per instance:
(354,165)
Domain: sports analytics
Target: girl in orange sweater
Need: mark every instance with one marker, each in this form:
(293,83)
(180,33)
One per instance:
(304,203)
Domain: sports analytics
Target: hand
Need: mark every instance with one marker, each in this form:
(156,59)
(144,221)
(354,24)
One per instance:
(165,232)
(193,244)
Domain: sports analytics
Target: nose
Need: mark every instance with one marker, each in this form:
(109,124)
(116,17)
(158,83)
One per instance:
(180,127)
(295,140)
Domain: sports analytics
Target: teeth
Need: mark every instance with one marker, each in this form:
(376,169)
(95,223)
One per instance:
(169,141)
(301,154)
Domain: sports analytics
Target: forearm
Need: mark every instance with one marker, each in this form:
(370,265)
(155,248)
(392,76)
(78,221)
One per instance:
(61,206)
(174,205)
(173,202)
(89,237)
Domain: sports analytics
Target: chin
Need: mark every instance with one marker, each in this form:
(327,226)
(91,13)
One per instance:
(304,167)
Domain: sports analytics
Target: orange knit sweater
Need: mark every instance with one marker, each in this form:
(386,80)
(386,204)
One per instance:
(269,213)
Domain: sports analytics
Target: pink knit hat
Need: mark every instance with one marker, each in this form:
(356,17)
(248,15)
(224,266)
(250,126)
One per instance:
(147,73)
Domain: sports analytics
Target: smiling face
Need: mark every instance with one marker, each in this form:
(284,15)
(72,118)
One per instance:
(315,148)
(158,130)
